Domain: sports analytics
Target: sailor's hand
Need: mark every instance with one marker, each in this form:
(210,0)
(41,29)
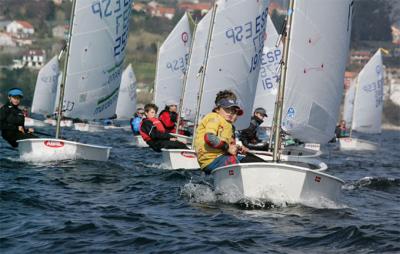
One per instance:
(31,130)
(243,149)
(232,149)
(173,139)
(21,129)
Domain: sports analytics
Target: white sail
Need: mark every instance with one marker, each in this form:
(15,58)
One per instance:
(44,97)
(60,77)
(368,104)
(349,103)
(268,79)
(126,105)
(97,50)
(195,68)
(234,55)
(172,62)
(318,53)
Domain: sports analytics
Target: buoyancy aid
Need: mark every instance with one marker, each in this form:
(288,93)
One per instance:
(156,123)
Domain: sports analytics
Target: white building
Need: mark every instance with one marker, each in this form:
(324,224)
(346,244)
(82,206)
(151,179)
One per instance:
(20,28)
(34,58)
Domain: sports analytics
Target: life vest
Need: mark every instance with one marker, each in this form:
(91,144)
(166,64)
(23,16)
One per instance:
(159,126)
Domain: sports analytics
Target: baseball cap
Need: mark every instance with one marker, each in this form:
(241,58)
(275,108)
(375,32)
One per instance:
(15,92)
(229,103)
(261,111)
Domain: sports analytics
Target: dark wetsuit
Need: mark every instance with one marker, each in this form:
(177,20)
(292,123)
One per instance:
(249,137)
(11,117)
(159,139)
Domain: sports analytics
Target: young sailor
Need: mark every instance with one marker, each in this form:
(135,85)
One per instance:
(169,117)
(12,119)
(249,137)
(215,144)
(136,120)
(341,130)
(154,133)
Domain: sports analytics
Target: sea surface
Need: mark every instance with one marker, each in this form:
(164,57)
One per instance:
(132,204)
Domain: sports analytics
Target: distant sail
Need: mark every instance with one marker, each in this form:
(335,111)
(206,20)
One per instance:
(349,103)
(318,51)
(172,63)
(195,68)
(235,52)
(126,105)
(369,97)
(44,97)
(268,80)
(97,51)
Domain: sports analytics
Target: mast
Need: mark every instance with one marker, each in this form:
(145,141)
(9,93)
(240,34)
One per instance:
(185,77)
(155,76)
(62,85)
(281,92)
(203,70)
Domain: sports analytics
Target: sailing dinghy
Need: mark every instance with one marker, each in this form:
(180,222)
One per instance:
(89,90)
(363,105)
(315,55)
(187,159)
(45,92)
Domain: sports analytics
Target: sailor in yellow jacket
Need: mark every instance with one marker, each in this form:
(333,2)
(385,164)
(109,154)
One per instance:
(214,143)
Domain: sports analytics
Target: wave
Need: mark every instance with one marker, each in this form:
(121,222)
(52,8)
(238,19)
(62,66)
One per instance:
(377,183)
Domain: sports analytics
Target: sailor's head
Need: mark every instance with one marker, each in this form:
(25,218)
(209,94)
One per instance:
(139,112)
(15,95)
(150,110)
(227,106)
(260,113)
(171,105)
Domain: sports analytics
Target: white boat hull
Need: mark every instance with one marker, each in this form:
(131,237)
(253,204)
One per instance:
(355,144)
(88,127)
(276,182)
(298,151)
(187,159)
(30,122)
(63,123)
(179,159)
(139,142)
(42,150)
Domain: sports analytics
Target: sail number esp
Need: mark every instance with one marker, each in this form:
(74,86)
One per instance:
(121,10)
(254,31)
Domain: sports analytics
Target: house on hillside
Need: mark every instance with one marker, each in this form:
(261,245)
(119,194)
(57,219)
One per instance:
(34,59)
(139,7)
(20,29)
(157,10)
(191,7)
(360,57)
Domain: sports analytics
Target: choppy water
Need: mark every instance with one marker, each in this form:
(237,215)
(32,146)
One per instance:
(131,204)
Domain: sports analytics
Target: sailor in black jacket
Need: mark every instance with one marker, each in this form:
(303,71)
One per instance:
(249,136)
(12,119)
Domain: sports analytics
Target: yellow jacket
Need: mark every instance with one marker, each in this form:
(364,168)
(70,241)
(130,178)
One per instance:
(215,124)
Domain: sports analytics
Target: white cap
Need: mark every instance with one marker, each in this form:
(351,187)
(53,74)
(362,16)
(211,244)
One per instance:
(171,102)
